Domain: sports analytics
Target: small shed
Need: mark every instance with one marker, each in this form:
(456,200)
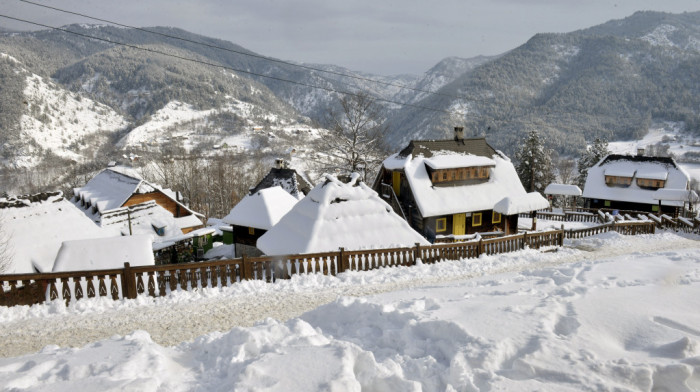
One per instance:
(677,195)
(254,215)
(336,214)
(513,206)
(566,191)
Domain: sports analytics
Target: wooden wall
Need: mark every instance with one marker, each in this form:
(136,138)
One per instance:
(160,198)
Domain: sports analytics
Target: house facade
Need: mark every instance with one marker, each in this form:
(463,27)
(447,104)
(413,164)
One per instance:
(630,182)
(449,188)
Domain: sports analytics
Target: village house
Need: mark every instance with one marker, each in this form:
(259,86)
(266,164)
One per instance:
(117,187)
(339,215)
(451,188)
(631,182)
(253,216)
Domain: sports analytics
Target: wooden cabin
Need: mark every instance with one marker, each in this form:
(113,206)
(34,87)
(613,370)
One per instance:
(448,188)
(630,182)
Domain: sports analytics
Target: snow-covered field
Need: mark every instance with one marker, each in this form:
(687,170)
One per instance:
(604,313)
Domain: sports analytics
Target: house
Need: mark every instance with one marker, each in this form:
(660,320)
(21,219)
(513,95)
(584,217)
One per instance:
(118,187)
(36,225)
(254,215)
(334,215)
(630,182)
(449,188)
(292,181)
(104,253)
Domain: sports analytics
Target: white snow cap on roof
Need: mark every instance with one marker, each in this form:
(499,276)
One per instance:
(104,253)
(261,210)
(532,201)
(453,161)
(335,215)
(683,195)
(562,189)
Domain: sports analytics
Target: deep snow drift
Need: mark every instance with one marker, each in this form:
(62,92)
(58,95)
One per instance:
(564,321)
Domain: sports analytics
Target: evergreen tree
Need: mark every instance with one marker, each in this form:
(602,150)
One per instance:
(590,156)
(534,164)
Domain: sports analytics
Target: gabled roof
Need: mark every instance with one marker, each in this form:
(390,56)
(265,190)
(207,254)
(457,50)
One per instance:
(261,210)
(427,148)
(451,199)
(38,224)
(104,253)
(335,215)
(289,179)
(661,168)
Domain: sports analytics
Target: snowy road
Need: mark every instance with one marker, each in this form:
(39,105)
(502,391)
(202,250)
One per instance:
(180,318)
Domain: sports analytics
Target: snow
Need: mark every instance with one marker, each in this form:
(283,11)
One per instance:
(676,195)
(104,253)
(109,189)
(261,210)
(604,313)
(452,161)
(37,230)
(335,215)
(446,200)
(562,189)
(530,202)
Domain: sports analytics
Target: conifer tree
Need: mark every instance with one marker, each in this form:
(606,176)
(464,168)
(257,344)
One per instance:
(590,156)
(534,164)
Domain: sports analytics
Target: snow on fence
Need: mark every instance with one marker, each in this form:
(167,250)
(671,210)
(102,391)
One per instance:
(161,280)
(566,216)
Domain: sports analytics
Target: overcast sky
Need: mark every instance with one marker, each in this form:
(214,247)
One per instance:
(377,36)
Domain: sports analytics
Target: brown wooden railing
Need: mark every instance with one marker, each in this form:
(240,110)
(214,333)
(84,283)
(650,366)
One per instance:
(161,280)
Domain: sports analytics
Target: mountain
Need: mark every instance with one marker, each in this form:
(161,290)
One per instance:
(609,81)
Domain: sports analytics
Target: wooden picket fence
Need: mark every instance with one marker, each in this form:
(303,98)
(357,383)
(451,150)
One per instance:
(161,280)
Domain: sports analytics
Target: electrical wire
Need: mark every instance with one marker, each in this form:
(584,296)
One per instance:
(251,54)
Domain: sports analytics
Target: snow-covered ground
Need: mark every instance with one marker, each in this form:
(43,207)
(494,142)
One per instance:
(602,313)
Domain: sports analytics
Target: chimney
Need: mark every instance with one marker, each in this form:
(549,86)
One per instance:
(640,152)
(280,163)
(459,133)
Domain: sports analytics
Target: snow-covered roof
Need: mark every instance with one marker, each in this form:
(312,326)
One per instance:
(37,229)
(642,167)
(620,171)
(562,189)
(335,215)
(454,161)
(532,201)
(444,200)
(682,195)
(104,253)
(291,180)
(261,210)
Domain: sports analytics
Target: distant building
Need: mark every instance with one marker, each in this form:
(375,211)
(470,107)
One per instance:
(451,188)
(630,182)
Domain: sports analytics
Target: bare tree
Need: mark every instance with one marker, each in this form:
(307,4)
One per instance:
(6,251)
(355,144)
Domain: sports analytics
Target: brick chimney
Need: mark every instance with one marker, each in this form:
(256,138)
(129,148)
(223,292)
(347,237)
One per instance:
(459,133)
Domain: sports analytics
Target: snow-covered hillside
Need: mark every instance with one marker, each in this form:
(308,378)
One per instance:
(61,121)
(603,313)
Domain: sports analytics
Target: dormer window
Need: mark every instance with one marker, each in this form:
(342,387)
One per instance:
(648,183)
(618,181)
(460,174)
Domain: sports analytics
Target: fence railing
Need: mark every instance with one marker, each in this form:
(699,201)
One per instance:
(161,280)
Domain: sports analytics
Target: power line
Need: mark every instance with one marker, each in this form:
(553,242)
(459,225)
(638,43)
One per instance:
(224,66)
(251,54)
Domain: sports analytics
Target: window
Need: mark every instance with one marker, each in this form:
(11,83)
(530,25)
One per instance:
(607,203)
(251,230)
(441,225)
(444,175)
(496,217)
(476,219)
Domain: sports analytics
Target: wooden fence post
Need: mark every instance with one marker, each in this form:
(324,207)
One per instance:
(561,236)
(246,268)
(128,282)
(481,247)
(522,246)
(417,253)
(342,262)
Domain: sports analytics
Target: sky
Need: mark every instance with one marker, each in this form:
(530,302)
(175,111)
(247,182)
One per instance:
(381,37)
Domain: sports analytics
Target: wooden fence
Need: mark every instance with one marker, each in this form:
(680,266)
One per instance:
(161,280)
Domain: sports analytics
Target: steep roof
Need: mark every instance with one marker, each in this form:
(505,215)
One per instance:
(334,215)
(261,210)
(37,225)
(289,179)
(661,168)
(457,198)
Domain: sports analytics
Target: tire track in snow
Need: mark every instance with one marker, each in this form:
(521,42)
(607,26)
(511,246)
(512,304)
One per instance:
(172,323)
